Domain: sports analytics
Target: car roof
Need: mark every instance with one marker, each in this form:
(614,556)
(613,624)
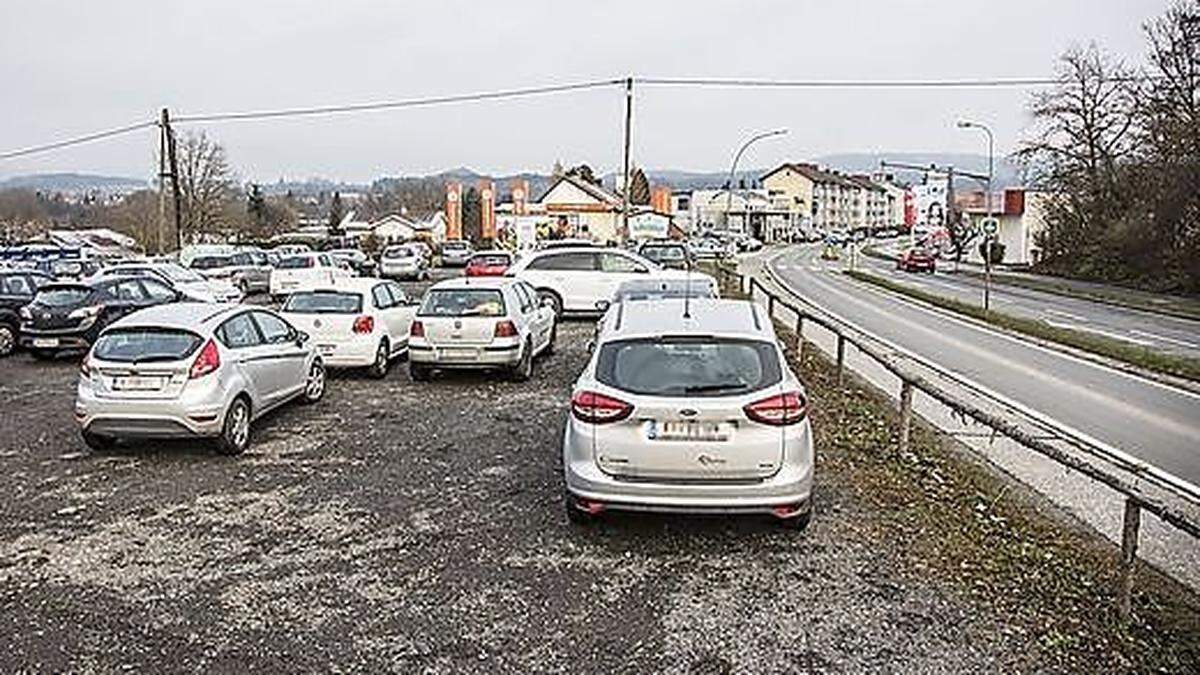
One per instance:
(193,316)
(352,284)
(706,316)
(493,251)
(474,282)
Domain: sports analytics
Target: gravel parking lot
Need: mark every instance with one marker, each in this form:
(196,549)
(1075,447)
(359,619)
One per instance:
(418,527)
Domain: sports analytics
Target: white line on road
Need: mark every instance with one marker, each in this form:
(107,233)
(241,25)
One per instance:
(1066,315)
(1097,331)
(1164,338)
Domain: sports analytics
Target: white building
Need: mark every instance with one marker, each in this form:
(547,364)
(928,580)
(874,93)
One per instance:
(1021,215)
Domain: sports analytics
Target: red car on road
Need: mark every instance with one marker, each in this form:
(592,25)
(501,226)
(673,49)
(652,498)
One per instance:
(489,264)
(917,260)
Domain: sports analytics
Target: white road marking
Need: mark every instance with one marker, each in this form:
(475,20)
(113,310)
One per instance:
(1097,331)
(1164,338)
(1066,315)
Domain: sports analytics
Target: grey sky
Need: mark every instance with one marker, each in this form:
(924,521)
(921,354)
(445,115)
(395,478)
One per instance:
(69,68)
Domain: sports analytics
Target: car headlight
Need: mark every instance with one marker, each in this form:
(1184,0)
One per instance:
(86,312)
(26,315)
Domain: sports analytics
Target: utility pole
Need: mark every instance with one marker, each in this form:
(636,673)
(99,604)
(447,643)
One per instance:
(162,174)
(988,235)
(174,164)
(628,125)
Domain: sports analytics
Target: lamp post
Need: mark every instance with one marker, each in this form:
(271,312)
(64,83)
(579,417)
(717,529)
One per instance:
(733,169)
(987,242)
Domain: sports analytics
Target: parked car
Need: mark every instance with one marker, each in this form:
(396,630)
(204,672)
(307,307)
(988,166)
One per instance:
(304,272)
(489,264)
(709,249)
(360,262)
(17,289)
(403,261)
(73,268)
(187,282)
(194,371)
(692,286)
(584,279)
(486,322)
(748,244)
(249,271)
(688,414)
(424,249)
(284,250)
(355,323)
(667,254)
(456,252)
(917,260)
(68,316)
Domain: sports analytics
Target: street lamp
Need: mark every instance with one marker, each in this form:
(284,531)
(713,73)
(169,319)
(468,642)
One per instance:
(733,168)
(987,242)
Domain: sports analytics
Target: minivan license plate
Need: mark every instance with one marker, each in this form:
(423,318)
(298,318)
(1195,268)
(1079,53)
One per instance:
(688,430)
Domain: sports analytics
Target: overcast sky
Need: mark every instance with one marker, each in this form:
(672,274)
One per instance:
(69,68)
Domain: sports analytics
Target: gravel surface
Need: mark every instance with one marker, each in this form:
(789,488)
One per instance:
(418,527)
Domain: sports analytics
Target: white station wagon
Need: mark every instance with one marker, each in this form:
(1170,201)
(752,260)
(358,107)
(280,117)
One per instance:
(354,323)
(480,322)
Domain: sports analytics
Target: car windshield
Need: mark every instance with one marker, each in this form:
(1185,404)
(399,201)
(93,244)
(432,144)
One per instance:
(664,253)
(296,262)
(463,302)
(399,252)
(62,296)
(179,274)
(210,262)
(145,344)
(323,302)
(455,246)
(687,366)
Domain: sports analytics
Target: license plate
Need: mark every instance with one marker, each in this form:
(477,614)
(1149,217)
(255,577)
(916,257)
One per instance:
(45,342)
(458,353)
(688,430)
(137,383)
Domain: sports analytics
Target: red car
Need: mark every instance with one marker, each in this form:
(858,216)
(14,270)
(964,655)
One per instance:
(917,260)
(489,264)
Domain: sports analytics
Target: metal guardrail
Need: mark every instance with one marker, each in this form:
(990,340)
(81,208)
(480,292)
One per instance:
(1136,500)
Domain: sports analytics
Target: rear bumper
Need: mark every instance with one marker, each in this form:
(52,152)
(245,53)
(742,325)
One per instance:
(71,338)
(350,354)
(194,414)
(488,356)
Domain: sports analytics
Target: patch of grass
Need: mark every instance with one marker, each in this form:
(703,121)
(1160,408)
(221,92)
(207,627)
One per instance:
(1186,308)
(1142,357)
(1049,582)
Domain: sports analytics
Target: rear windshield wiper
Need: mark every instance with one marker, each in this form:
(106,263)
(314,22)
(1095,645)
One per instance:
(706,388)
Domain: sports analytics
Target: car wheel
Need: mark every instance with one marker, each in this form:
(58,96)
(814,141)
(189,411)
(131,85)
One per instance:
(796,523)
(524,368)
(419,372)
(97,442)
(314,385)
(555,301)
(553,338)
(8,338)
(379,369)
(576,515)
(235,434)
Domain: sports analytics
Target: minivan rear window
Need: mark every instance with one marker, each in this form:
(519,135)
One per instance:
(688,366)
(210,262)
(143,345)
(62,296)
(463,302)
(318,302)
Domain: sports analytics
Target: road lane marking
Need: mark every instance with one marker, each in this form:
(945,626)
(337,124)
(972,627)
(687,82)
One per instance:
(1096,331)
(1164,338)
(1066,315)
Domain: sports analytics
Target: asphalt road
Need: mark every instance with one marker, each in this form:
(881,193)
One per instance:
(1159,332)
(1153,422)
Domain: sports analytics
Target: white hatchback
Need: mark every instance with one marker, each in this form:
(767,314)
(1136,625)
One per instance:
(354,323)
(584,279)
(480,322)
(305,271)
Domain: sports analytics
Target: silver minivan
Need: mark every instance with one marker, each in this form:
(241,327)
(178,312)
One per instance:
(688,405)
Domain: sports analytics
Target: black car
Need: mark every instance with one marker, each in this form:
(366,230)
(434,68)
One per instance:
(17,288)
(70,315)
(669,254)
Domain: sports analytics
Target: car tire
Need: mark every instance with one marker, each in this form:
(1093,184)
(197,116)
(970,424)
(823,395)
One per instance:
(235,432)
(97,442)
(8,338)
(523,370)
(797,523)
(553,338)
(576,515)
(418,371)
(556,302)
(383,362)
(314,384)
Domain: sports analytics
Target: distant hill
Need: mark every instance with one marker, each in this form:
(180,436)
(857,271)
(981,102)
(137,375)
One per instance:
(72,182)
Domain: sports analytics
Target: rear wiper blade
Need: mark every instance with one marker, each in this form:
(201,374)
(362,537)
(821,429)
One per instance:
(724,386)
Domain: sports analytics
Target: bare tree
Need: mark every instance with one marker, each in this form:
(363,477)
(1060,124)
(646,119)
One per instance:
(207,188)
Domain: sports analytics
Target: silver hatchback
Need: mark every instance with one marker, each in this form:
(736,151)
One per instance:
(193,370)
(688,408)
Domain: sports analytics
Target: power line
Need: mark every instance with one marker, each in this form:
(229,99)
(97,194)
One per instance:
(76,141)
(966,83)
(407,103)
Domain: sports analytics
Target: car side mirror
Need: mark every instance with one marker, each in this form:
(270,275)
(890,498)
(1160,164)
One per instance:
(301,338)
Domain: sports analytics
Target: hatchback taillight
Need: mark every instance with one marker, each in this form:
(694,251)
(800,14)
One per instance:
(505,328)
(417,329)
(207,361)
(780,410)
(589,406)
(364,324)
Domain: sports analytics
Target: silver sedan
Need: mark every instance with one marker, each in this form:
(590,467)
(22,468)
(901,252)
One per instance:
(193,370)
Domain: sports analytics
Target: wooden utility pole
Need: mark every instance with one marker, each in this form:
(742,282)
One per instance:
(628,124)
(162,174)
(174,164)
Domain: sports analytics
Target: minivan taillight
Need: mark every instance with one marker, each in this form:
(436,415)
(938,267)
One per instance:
(779,410)
(416,329)
(505,328)
(589,406)
(206,361)
(364,324)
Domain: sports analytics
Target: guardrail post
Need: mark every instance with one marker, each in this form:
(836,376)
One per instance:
(770,306)
(906,398)
(1129,542)
(799,336)
(841,358)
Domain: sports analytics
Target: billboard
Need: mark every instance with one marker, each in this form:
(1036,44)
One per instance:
(929,199)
